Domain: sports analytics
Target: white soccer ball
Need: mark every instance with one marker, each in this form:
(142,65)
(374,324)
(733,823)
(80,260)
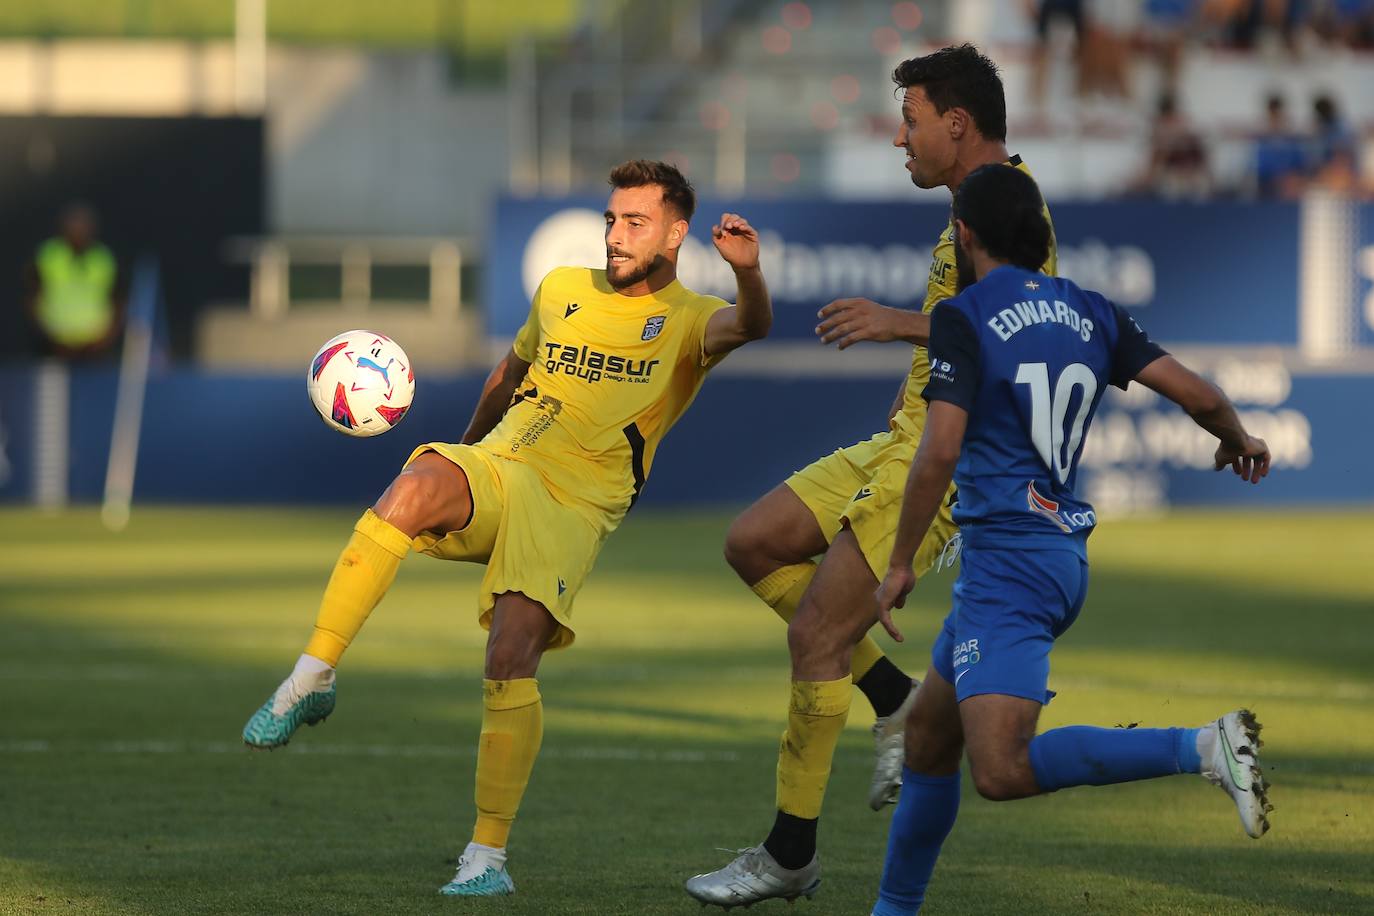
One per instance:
(361,382)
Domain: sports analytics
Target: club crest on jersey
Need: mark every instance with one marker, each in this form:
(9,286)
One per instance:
(652,327)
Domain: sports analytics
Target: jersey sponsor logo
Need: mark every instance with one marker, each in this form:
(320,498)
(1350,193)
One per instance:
(941,369)
(652,327)
(572,307)
(1065,521)
(1007,322)
(939,269)
(546,413)
(863,493)
(966,653)
(593,365)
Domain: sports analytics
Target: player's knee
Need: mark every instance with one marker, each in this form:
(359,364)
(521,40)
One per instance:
(508,659)
(930,750)
(1002,780)
(408,503)
(745,551)
(424,497)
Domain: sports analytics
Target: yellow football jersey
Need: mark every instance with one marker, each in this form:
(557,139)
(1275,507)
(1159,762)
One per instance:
(941,284)
(609,375)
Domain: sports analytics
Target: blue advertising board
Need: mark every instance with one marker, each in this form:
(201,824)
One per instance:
(1224,273)
(217,438)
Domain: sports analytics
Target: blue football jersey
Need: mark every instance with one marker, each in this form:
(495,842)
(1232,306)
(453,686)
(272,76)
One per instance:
(1029,357)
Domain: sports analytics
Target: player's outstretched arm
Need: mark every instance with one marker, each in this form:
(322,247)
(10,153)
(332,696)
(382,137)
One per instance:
(496,397)
(752,314)
(1213,411)
(926,485)
(845,322)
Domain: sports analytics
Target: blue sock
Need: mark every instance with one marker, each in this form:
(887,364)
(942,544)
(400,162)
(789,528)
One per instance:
(1081,755)
(924,817)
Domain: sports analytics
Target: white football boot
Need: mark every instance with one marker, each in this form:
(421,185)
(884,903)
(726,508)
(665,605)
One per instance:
(755,875)
(1233,764)
(889,746)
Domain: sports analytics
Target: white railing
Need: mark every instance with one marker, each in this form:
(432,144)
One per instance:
(270,260)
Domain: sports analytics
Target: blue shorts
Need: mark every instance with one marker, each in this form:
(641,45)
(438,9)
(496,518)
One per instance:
(1009,608)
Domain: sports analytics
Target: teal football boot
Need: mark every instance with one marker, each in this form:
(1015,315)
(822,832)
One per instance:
(481,873)
(292,704)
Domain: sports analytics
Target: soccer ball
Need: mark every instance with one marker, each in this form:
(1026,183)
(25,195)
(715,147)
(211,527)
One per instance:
(361,383)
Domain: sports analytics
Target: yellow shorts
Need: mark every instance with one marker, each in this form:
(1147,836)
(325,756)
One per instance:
(861,486)
(530,542)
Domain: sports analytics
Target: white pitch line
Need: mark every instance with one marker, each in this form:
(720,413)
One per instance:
(627,754)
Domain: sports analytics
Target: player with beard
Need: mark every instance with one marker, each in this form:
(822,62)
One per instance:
(815,547)
(559,447)
(1019,364)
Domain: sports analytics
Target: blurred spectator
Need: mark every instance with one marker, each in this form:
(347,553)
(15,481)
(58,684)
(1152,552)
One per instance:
(1345,22)
(1177,168)
(74,293)
(1334,161)
(1106,48)
(1242,22)
(1100,54)
(1164,30)
(1279,164)
(1045,13)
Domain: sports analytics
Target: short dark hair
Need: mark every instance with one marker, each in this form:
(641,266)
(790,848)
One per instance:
(1003,207)
(677,190)
(959,77)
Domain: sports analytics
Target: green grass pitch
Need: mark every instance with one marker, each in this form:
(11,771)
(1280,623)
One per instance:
(128,665)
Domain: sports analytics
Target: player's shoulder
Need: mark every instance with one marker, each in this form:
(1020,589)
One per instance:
(1097,302)
(691,302)
(962,308)
(562,278)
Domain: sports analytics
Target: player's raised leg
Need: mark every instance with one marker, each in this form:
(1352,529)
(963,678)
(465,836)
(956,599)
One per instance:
(771,546)
(1009,761)
(430,494)
(512,732)
(835,612)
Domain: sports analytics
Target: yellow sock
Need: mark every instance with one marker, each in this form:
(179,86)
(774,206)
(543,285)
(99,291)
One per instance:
(782,590)
(364,572)
(814,722)
(512,730)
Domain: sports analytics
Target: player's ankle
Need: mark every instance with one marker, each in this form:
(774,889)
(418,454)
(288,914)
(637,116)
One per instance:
(885,685)
(313,671)
(792,841)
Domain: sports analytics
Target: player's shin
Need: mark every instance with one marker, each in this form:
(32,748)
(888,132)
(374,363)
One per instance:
(1080,755)
(924,817)
(512,731)
(816,717)
(363,573)
(884,684)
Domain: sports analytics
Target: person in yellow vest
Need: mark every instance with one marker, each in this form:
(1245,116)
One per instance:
(75,296)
